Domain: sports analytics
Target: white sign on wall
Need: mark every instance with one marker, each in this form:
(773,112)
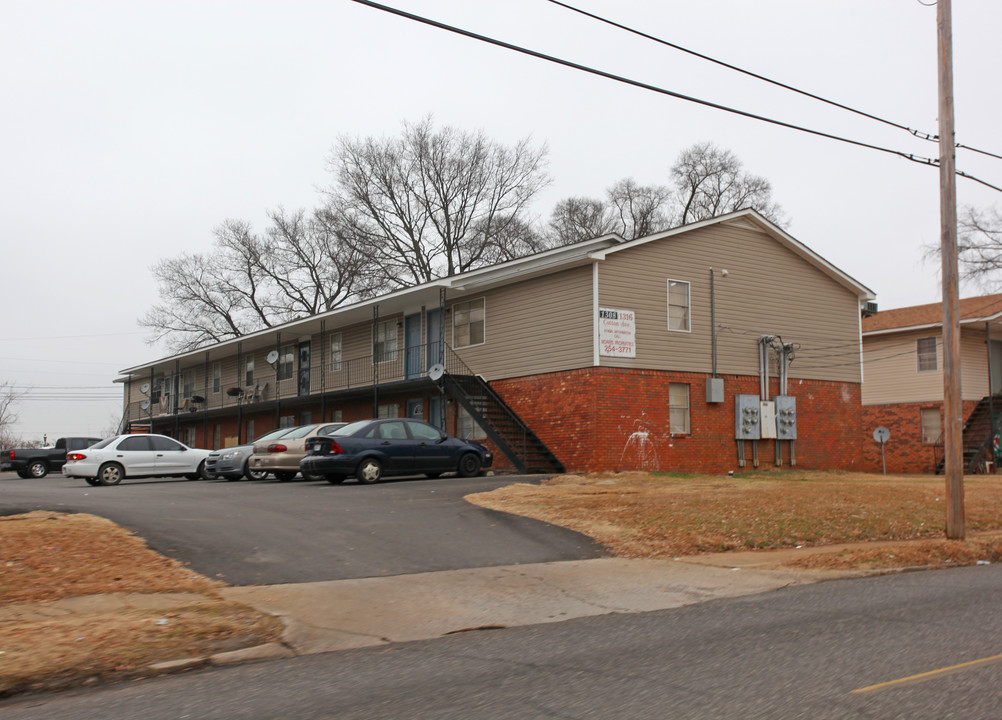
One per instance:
(617,333)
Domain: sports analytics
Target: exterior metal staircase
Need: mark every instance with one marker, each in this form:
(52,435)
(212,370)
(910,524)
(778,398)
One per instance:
(505,429)
(979,432)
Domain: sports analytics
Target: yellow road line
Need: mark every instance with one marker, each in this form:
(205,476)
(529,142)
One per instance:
(922,677)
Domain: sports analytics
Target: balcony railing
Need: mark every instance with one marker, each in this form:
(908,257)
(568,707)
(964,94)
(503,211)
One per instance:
(327,377)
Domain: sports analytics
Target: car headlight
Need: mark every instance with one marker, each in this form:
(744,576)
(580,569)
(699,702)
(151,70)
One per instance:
(229,455)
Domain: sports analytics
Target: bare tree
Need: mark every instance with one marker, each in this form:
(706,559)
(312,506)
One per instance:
(434,203)
(979,245)
(706,181)
(10,397)
(298,267)
(710,181)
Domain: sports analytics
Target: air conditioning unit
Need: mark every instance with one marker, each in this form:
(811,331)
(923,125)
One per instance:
(869,308)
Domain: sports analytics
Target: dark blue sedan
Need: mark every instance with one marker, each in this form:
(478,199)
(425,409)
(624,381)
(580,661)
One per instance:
(370,449)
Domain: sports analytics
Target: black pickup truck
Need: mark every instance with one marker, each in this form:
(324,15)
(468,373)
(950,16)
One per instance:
(37,462)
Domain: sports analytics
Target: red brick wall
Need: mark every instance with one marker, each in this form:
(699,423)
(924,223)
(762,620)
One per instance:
(588,419)
(904,452)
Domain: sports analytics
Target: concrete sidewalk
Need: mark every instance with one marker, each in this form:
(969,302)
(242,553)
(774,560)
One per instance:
(338,615)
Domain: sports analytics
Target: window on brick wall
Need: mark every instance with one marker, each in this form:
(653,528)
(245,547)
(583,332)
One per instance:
(678,408)
(925,348)
(467,427)
(932,426)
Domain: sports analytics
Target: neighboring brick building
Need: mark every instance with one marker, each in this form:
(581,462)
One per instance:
(605,354)
(903,382)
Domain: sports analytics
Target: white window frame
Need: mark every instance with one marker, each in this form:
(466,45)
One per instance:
(679,410)
(249,371)
(385,341)
(931,433)
(468,428)
(336,350)
(922,354)
(217,378)
(388,410)
(285,368)
(462,313)
(687,306)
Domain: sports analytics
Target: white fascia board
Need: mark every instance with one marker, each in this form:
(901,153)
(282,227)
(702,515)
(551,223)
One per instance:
(863,292)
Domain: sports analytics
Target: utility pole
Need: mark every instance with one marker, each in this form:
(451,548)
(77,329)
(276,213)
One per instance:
(953,439)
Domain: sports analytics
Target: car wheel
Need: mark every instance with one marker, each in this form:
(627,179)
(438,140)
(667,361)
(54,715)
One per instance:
(284,475)
(369,471)
(24,474)
(38,469)
(335,479)
(252,474)
(199,473)
(110,474)
(92,481)
(469,465)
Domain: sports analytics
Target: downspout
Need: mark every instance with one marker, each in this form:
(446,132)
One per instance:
(713,326)
(278,395)
(375,362)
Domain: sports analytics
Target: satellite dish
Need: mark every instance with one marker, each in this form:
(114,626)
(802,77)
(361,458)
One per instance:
(145,389)
(272,357)
(145,404)
(436,371)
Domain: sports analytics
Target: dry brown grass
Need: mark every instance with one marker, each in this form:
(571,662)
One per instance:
(641,515)
(51,556)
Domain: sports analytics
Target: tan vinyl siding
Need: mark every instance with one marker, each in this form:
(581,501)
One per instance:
(769,290)
(891,372)
(892,375)
(538,326)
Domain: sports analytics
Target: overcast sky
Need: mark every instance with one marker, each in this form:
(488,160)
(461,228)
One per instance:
(130,129)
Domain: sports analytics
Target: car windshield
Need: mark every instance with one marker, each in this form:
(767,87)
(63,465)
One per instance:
(351,428)
(104,443)
(299,432)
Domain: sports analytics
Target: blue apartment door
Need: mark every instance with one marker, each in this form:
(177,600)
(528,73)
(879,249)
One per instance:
(436,351)
(412,345)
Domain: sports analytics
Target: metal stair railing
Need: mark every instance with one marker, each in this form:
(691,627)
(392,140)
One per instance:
(503,426)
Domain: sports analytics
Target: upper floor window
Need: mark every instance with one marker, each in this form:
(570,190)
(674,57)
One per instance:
(926,351)
(468,323)
(678,306)
(335,352)
(384,345)
(188,383)
(249,372)
(217,377)
(286,362)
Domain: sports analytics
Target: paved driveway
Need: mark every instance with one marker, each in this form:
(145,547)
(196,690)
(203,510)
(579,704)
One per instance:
(268,532)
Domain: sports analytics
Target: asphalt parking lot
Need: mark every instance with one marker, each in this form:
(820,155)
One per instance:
(268,532)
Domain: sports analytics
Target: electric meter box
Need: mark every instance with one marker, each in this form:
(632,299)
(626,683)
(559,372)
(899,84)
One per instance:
(746,417)
(786,417)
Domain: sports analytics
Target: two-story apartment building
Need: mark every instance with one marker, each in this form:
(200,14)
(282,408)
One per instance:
(717,345)
(903,387)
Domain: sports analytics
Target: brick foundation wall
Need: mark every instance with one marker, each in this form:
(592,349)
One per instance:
(904,452)
(594,419)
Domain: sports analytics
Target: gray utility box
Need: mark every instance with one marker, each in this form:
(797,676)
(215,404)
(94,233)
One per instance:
(714,390)
(786,417)
(747,414)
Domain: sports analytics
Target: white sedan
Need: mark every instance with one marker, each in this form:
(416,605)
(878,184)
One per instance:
(141,455)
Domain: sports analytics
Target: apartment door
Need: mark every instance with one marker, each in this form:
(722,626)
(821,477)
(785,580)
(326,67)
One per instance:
(412,345)
(436,349)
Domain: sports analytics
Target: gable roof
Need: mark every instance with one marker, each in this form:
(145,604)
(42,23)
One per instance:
(982,308)
(557,259)
(751,218)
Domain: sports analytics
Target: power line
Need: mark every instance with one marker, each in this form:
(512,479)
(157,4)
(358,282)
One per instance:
(931,137)
(654,88)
